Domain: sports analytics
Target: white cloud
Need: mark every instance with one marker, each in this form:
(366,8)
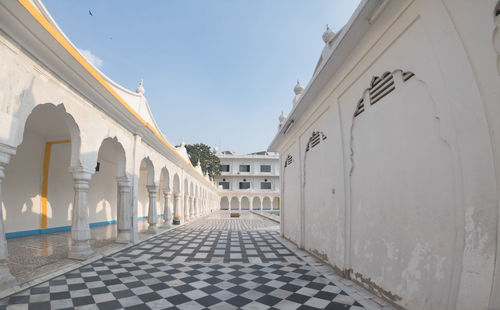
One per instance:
(93,59)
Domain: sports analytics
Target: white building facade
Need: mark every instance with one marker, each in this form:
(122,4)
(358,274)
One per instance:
(390,156)
(77,149)
(249,182)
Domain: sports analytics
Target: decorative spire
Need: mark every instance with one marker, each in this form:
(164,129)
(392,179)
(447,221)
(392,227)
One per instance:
(328,35)
(140,88)
(216,150)
(298,89)
(282,117)
(182,143)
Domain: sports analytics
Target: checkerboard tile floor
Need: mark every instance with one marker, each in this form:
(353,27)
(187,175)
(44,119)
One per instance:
(119,283)
(247,222)
(193,269)
(213,247)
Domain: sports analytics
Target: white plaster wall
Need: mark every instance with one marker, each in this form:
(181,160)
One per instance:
(22,185)
(60,187)
(290,191)
(102,196)
(421,196)
(322,176)
(143,195)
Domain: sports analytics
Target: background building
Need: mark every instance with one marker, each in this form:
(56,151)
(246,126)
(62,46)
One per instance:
(249,182)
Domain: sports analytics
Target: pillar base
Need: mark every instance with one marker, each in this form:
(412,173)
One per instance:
(152,229)
(167,223)
(80,250)
(7,280)
(124,237)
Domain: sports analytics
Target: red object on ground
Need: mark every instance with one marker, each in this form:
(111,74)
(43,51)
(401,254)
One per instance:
(233,214)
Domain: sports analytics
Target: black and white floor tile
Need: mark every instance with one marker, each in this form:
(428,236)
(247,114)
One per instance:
(119,283)
(193,269)
(214,247)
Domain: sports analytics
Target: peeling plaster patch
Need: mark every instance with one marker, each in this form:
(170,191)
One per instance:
(475,240)
(368,255)
(422,264)
(413,274)
(319,254)
(369,284)
(391,251)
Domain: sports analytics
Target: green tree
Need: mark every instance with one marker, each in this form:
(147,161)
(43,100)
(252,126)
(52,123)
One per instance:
(208,160)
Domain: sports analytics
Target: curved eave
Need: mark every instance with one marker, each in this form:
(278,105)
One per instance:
(349,37)
(26,25)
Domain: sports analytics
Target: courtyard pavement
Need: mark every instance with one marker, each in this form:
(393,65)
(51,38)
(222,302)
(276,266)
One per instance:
(38,255)
(215,262)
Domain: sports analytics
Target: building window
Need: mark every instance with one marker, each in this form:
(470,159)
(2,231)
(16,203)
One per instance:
(265,185)
(265,168)
(225,185)
(224,168)
(244,168)
(244,185)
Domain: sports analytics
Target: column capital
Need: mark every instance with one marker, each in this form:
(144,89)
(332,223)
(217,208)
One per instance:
(82,173)
(177,195)
(152,188)
(124,181)
(6,152)
(167,193)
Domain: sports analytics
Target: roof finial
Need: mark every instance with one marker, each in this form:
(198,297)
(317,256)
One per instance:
(140,88)
(298,89)
(282,117)
(182,143)
(328,35)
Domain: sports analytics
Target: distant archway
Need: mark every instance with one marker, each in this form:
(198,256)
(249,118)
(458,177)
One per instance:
(235,204)
(245,203)
(266,203)
(256,204)
(224,203)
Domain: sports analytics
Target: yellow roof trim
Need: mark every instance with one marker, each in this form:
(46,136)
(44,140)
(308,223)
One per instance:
(70,49)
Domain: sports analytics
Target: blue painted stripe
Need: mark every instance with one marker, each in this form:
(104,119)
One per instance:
(36,232)
(25,233)
(102,223)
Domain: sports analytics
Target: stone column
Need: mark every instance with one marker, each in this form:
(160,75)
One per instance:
(191,207)
(186,208)
(167,211)
(152,211)
(195,207)
(124,216)
(6,278)
(177,205)
(80,231)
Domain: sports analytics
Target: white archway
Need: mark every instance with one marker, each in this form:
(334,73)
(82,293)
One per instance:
(224,203)
(235,204)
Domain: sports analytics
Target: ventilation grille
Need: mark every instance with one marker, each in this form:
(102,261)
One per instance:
(360,108)
(315,139)
(379,88)
(288,161)
(407,76)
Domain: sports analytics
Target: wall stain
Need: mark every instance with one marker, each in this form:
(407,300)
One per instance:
(368,283)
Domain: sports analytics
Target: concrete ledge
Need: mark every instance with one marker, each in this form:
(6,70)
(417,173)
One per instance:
(266,216)
(70,267)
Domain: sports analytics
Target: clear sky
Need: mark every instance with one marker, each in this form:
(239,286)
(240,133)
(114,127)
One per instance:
(217,72)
